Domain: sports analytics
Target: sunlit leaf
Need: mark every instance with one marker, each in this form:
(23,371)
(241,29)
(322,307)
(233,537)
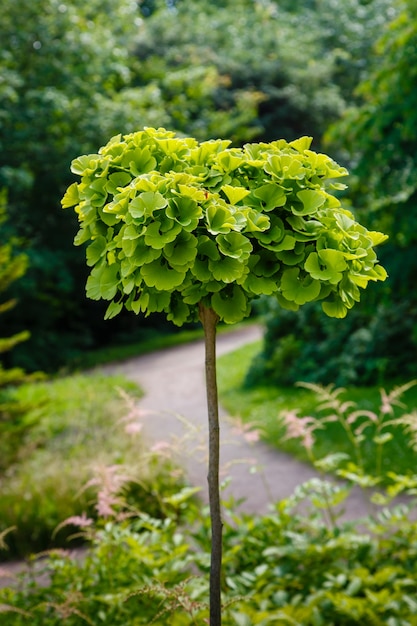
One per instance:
(235,194)
(71,196)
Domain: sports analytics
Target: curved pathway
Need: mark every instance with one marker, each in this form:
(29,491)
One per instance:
(174,412)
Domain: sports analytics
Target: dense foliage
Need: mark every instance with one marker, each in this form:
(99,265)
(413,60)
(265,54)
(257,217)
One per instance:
(12,424)
(78,437)
(240,70)
(307,569)
(173,223)
(378,139)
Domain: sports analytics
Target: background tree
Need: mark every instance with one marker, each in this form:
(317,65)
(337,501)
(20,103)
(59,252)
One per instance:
(378,141)
(198,231)
(12,267)
(74,74)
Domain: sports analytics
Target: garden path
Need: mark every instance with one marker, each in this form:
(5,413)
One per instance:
(174,411)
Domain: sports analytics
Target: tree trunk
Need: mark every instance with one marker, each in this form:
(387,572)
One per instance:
(209,321)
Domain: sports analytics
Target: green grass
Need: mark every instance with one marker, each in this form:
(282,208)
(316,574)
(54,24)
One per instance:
(262,407)
(73,428)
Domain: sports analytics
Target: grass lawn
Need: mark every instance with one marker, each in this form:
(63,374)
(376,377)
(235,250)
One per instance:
(262,407)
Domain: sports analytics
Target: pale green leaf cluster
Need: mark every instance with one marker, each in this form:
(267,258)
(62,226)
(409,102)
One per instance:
(172,222)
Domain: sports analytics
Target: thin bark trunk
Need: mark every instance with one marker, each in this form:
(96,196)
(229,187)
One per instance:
(209,321)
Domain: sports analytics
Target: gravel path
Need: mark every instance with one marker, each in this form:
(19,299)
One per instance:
(174,411)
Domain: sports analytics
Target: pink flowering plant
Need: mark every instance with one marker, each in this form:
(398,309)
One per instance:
(366,460)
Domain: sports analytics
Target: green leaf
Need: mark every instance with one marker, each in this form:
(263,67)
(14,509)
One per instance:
(299,290)
(260,285)
(334,264)
(156,237)
(219,219)
(226,269)
(234,245)
(113,309)
(230,305)
(334,309)
(274,234)
(96,250)
(185,211)
(71,196)
(301,144)
(311,199)
(272,196)
(182,251)
(139,161)
(103,282)
(230,160)
(116,181)
(158,274)
(146,204)
(255,221)
(86,164)
(235,194)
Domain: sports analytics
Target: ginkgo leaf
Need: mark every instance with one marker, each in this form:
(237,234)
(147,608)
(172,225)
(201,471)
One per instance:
(96,250)
(311,200)
(302,143)
(334,309)
(299,289)
(230,305)
(220,219)
(160,275)
(71,196)
(234,245)
(185,211)
(226,269)
(260,285)
(271,195)
(179,312)
(181,251)
(103,282)
(113,309)
(235,194)
(117,180)
(155,237)
(326,265)
(146,203)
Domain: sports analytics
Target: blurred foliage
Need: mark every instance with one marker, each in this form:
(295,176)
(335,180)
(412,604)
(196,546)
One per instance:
(74,74)
(377,140)
(297,564)
(12,267)
(80,432)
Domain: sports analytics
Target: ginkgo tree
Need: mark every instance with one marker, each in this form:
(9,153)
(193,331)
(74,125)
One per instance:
(199,230)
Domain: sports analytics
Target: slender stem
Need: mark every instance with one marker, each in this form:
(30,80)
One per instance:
(209,321)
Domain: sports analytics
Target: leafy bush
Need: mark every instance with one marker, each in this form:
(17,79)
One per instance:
(300,564)
(285,567)
(76,441)
(306,345)
(262,407)
(12,267)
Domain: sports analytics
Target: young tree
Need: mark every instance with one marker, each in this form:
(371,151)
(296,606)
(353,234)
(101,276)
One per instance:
(198,230)
(12,267)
